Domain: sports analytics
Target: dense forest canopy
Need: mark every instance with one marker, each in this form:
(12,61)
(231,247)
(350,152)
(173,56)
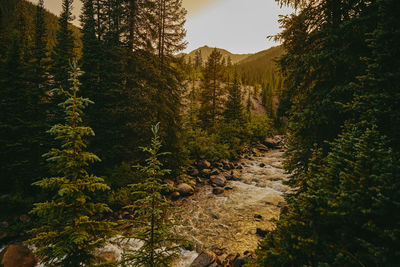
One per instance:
(79,107)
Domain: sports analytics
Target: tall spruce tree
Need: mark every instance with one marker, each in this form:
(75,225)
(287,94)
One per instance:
(153,224)
(72,228)
(211,91)
(64,48)
(234,108)
(12,118)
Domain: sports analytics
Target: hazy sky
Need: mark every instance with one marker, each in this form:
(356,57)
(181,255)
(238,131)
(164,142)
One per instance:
(240,26)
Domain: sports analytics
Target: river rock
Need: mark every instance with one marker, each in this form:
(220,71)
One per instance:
(185,189)
(17,256)
(204,164)
(205,173)
(262,147)
(194,172)
(218,180)
(175,195)
(218,190)
(225,164)
(205,259)
(219,165)
(271,142)
(236,175)
(215,172)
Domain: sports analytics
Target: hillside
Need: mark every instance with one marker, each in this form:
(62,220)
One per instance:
(206,51)
(261,67)
(264,57)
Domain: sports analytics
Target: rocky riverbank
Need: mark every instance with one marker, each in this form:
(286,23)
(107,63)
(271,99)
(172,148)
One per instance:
(232,206)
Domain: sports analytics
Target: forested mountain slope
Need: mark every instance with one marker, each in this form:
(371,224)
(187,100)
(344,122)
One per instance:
(11,10)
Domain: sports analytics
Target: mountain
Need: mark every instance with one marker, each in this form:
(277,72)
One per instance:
(206,51)
(261,67)
(263,59)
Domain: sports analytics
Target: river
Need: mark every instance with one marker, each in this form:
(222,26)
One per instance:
(227,223)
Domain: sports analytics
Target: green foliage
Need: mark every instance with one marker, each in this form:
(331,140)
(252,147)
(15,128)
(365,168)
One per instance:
(153,222)
(200,144)
(71,229)
(346,214)
(64,49)
(211,103)
(344,137)
(233,107)
(227,140)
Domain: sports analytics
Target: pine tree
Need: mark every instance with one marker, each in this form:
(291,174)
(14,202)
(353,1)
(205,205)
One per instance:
(153,210)
(211,91)
(198,60)
(267,99)
(64,49)
(249,105)
(234,108)
(71,230)
(348,187)
(12,118)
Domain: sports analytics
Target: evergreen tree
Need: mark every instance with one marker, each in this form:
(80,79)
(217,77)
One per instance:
(153,222)
(64,49)
(249,105)
(338,214)
(234,108)
(211,90)
(72,229)
(12,118)
(198,60)
(267,99)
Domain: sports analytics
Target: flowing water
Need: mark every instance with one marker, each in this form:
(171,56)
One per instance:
(227,223)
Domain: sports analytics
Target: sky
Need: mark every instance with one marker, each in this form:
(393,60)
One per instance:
(239,26)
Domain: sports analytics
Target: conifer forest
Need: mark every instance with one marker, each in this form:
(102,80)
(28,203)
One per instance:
(120,147)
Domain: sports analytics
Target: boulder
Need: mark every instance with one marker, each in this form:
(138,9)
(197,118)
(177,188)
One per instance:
(204,164)
(218,180)
(236,175)
(271,142)
(218,190)
(175,195)
(262,148)
(219,165)
(194,172)
(227,175)
(205,259)
(206,173)
(215,172)
(185,189)
(225,164)
(17,255)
